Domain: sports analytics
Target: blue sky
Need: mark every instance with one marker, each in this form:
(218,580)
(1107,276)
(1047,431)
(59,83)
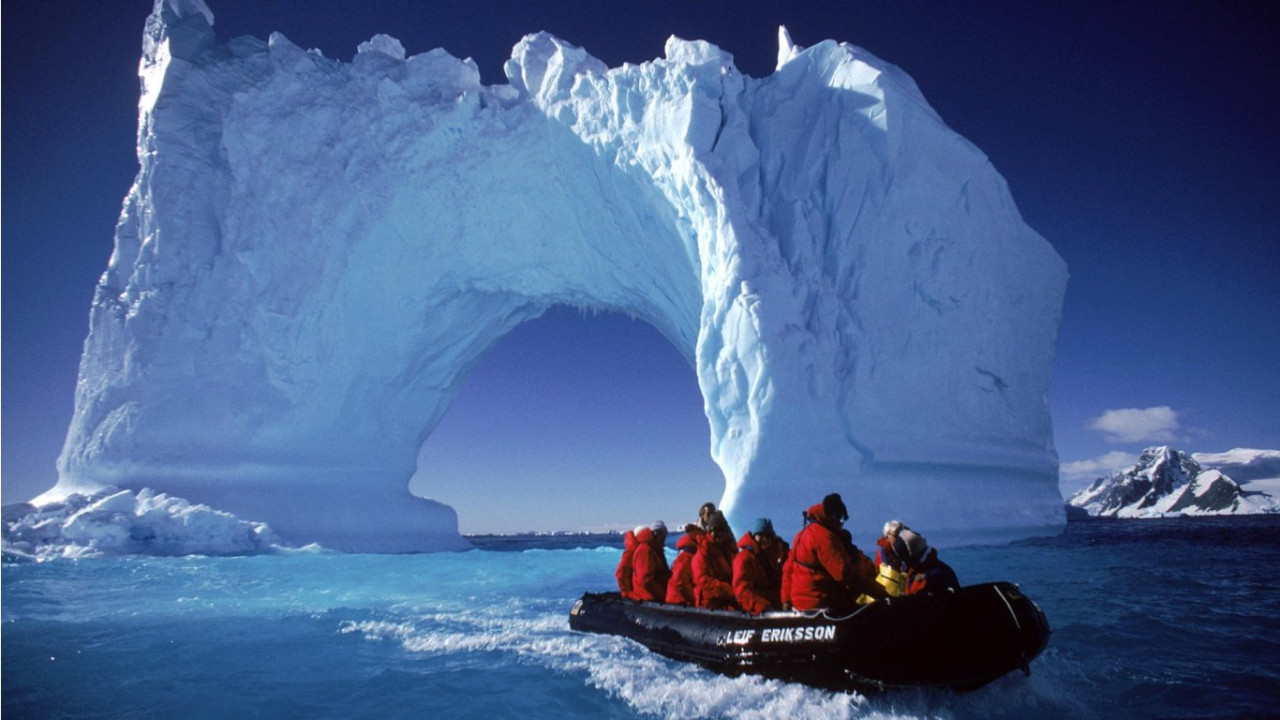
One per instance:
(1140,140)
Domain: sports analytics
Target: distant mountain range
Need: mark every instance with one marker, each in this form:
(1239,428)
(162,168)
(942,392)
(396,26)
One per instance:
(1171,482)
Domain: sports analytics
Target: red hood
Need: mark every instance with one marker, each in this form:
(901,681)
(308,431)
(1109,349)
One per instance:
(705,540)
(646,537)
(689,541)
(819,514)
(748,542)
(629,539)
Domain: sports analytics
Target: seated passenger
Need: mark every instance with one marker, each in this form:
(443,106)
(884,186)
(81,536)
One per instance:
(827,570)
(705,513)
(680,587)
(757,576)
(624,571)
(893,572)
(925,572)
(718,521)
(649,564)
(712,572)
(785,559)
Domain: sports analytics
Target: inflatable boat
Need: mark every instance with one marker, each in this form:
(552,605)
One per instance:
(960,639)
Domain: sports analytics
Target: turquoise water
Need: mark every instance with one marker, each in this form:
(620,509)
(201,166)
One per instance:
(1168,618)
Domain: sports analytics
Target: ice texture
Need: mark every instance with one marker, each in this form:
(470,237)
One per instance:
(122,522)
(316,252)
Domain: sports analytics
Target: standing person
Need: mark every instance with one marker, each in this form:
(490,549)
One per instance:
(680,586)
(649,564)
(625,569)
(712,572)
(757,577)
(827,571)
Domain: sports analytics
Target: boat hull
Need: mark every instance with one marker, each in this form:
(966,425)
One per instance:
(960,639)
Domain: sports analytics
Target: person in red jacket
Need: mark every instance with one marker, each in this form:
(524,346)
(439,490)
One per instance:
(757,576)
(680,586)
(709,518)
(649,574)
(625,568)
(827,570)
(712,573)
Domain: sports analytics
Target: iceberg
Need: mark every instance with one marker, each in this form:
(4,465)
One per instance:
(315,253)
(122,522)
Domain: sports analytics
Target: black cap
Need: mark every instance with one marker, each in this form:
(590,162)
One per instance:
(835,508)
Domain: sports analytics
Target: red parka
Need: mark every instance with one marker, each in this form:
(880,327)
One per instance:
(680,587)
(825,573)
(649,573)
(625,568)
(757,579)
(712,575)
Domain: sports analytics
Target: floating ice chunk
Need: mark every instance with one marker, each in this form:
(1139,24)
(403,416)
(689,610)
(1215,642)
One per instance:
(121,522)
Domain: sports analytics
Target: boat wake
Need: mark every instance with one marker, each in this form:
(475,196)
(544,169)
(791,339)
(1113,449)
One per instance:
(536,633)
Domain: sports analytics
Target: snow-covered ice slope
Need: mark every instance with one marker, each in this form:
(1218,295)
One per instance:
(316,252)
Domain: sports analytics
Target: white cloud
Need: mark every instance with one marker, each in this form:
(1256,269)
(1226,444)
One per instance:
(1078,473)
(1134,425)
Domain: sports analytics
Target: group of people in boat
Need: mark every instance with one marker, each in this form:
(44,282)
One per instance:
(821,568)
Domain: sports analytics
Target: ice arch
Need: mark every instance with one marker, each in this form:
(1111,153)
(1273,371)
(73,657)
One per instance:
(593,404)
(315,252)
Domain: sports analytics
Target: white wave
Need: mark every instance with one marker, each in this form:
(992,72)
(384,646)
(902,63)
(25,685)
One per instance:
(656,686)
(649,683)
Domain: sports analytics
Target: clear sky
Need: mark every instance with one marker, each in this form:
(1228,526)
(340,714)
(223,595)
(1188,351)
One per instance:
(1140,138)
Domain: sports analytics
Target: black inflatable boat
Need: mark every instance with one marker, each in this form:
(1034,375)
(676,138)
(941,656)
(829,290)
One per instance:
(960,639)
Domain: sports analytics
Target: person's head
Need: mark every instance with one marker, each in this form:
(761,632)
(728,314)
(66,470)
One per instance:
(705,512)
(892,528)
(718,526)
(762,531)
(911,546)
(834,508)
(659,530)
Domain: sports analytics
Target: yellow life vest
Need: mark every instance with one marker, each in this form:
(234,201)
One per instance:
(893,581)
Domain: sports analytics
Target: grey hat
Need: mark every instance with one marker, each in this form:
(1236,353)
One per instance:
(915,543)
(658,527)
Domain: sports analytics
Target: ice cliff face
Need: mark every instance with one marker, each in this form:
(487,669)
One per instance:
(316,252)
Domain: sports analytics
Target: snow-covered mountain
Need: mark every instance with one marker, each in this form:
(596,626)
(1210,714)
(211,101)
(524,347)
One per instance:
(1171,482)
(316,252)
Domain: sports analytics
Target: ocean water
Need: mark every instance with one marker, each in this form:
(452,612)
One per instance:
(1151,619)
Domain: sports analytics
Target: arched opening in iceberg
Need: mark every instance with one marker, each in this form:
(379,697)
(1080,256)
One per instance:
(573,421)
